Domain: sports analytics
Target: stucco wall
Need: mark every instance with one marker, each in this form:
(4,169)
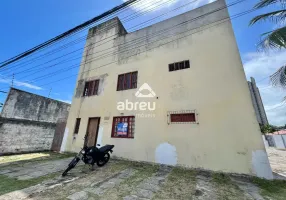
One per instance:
(227,136)
(23,105)
(18,135)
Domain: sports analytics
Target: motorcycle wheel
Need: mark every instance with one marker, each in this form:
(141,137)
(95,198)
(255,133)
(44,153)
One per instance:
(71,165)
(105,159)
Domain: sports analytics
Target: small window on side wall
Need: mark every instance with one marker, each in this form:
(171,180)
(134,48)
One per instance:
(91,88)
(182,117)
(77,124)
(179,65)
(123,127)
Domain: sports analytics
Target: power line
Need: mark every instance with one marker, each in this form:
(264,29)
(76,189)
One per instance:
(279,106)
(144,37)
(65,34)
(233,17)
(83,38)
(89,37)
(240,14)
(137,46)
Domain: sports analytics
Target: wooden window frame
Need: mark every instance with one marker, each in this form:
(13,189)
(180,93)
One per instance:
(122,83)
(130,130)
(91,88)
(77,126)
(179,65)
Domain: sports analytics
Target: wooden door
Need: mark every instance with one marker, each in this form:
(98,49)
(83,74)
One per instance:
(92,130)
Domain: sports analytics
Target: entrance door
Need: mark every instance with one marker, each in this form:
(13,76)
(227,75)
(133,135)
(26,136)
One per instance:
(92,130)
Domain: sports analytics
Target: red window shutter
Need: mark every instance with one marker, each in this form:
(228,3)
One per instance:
(183,117)
(134,80)
(90,88)
(95,90)
(120,82)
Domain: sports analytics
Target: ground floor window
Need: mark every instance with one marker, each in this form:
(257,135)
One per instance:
(123,127)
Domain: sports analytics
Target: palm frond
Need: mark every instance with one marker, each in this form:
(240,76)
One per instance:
(264,3)
(274,39)
(276,16)
(278,79)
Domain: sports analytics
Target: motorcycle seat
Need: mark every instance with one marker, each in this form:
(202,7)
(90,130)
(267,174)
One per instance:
(106,148)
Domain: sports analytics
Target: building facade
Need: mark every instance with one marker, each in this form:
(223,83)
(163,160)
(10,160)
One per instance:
(257,103)
(173,93)
(31,123)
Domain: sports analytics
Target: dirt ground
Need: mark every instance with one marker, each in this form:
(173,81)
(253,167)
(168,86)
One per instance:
(277,159)
(40,179)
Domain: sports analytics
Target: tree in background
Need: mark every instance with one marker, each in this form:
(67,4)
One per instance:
(275,39)
(268,129)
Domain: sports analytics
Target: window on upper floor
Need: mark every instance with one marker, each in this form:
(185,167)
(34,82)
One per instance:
(123,127)
(127,81)
(91,88)
(179,65)
(77,124)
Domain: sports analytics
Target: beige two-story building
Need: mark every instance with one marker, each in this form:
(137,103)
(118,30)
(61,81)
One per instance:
(173,93)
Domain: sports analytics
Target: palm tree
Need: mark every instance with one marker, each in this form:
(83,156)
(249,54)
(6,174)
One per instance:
(275,39)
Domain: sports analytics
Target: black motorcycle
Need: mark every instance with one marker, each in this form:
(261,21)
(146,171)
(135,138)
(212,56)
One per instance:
(91,155)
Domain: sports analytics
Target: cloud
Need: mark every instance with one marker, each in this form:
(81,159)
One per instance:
(20,84)
(275,106)
(155,5)
(260,66)
(66,101)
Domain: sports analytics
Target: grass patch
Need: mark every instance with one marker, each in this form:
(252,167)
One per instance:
(180,184)
(275,189)
(225,189)
(220,178)
(12,184)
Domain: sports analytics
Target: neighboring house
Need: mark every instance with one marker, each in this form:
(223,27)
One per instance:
(30,123)
(257,103)
(173,93)
(280,132)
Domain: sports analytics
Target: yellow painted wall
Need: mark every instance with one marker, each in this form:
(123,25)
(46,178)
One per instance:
(227,136)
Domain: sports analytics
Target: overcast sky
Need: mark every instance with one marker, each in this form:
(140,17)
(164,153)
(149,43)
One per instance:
(25,24)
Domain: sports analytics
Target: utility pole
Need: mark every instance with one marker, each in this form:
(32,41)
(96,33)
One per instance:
(50,92)
(12,81)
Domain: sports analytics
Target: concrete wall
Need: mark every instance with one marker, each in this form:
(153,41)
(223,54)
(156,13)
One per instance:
(17,135)
(278,141)
(226,136)
(28,122)
(23,105)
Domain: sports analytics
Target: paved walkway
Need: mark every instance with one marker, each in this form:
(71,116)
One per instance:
(30,171)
